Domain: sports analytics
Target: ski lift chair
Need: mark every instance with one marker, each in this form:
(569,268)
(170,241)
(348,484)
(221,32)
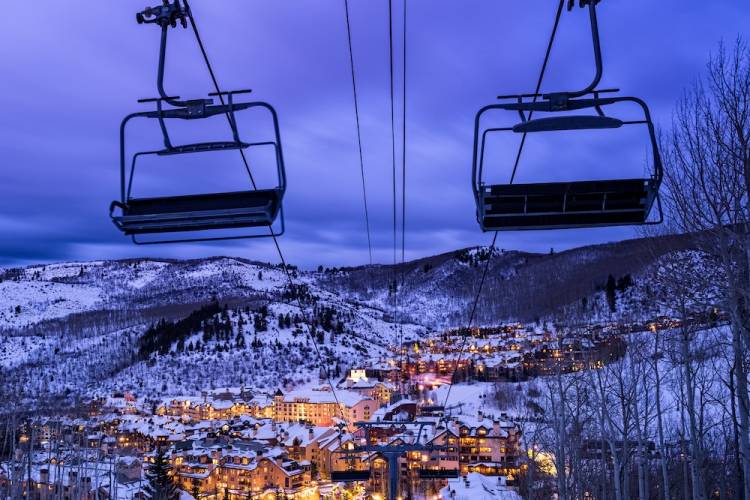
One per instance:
(247,208)
(438,473)
(561,205)
(350,476)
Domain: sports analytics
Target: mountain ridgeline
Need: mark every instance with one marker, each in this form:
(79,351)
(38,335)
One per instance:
(519,286)
(73,330)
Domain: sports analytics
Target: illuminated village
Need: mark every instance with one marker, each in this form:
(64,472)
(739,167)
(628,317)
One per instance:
(372,250)
(308,442)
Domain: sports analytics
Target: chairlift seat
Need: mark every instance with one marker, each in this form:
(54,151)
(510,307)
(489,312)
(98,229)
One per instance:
(350,476)
(571,122)
(198,212)
(560,205)
(438,473)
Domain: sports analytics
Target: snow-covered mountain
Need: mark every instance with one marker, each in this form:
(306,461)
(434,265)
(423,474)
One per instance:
(440,290)
(78,329)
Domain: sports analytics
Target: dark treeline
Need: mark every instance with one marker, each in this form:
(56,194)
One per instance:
(160,336)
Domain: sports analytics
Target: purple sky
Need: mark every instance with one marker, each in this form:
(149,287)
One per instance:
(73,69)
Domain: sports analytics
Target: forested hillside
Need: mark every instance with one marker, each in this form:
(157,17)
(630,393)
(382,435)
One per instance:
(72,330)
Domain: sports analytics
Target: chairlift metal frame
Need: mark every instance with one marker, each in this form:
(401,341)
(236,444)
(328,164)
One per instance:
(562,205)
(199,212)
(392,452)
(350,476)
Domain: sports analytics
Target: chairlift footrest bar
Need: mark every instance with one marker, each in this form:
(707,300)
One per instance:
(231,92)
(438,474)
(350,476)
(530,96)
(549,107)
(157,99)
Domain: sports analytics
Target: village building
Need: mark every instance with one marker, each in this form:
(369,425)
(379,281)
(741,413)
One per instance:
(321,407)
(368,387)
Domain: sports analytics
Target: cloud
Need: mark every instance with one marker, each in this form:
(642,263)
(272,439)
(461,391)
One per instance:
(73,69)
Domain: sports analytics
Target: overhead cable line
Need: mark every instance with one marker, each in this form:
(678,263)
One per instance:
(393,126)
(494,238)
(359,130)
(538,85)
(398,269)
(394,277)
(403,185)
(275,240)
(471,320)
(215,82)
(403,151)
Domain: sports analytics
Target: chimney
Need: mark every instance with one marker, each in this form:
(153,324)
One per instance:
(310,433)
(496,427)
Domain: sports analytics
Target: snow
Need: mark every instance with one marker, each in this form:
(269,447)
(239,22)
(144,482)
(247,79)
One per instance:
(27,302)
(96,354)
(15,351)
(471,398)
(476,486)
(324,395)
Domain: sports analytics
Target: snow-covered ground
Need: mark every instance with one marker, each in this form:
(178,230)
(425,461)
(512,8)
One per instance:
(74,328)
(30,301)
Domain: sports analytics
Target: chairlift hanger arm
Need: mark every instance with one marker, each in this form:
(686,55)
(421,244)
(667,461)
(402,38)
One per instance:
(196,109)
(548,107)
(595,40)
(165,16)
(555,101)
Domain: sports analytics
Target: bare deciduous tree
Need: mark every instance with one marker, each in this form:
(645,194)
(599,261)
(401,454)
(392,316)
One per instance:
(707,173)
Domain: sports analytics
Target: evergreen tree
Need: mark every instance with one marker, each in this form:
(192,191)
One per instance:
(610,291)
(625,282)
(160,485)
